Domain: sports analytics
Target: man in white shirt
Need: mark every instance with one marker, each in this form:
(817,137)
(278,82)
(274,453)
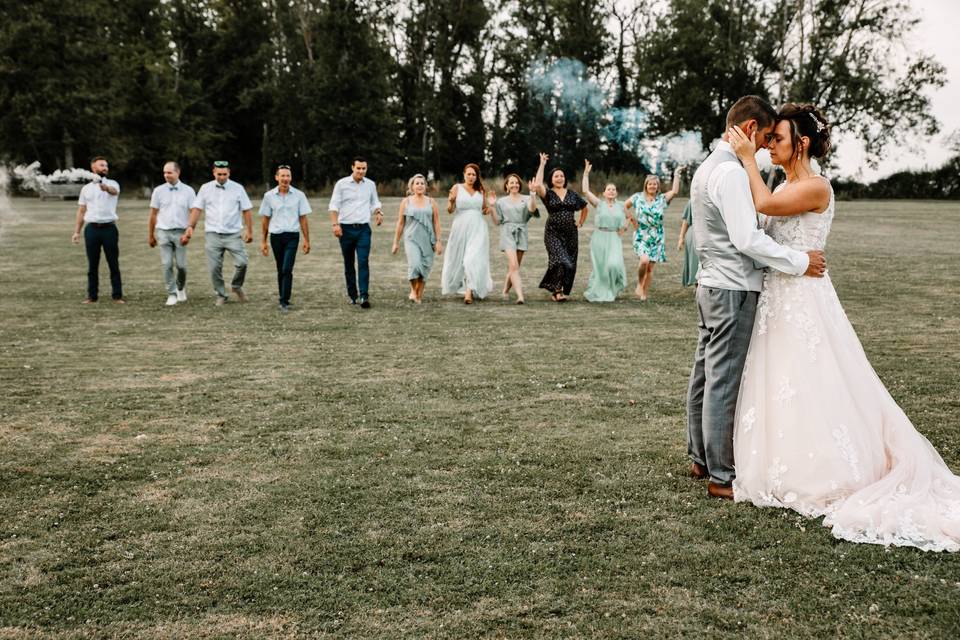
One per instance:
(169,216)
(228,211)
(284,210)
(353,202)
(733,250)
(98,211)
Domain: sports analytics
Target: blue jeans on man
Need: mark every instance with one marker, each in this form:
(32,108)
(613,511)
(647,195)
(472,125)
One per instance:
(355,247)
(284,247)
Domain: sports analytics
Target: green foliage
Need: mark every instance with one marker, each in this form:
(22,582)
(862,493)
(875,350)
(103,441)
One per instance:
(428,85)
(698,60)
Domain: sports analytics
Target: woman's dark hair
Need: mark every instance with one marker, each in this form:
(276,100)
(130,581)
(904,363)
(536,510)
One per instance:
(553,171)
(506,181)
(807,120)
(478,185)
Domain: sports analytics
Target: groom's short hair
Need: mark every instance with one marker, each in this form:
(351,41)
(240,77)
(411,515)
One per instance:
(751,108)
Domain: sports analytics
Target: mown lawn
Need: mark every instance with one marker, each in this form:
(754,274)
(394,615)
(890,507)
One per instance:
(438,471)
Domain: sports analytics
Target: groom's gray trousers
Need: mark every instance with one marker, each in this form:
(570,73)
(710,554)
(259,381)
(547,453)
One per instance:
(726,322)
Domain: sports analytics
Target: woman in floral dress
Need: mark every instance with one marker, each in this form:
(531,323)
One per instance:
(647,209)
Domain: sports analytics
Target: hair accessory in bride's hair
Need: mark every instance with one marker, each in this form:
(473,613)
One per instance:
(820,125)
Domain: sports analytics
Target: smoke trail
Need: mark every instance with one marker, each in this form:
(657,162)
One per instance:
(566,91)
(31,179)
(6,211)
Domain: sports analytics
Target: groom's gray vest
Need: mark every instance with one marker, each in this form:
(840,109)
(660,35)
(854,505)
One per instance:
(722,266)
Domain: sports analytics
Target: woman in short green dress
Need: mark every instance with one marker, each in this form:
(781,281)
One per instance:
(691,262)
(648,208)
(512,213)
(609,275)
(419,222)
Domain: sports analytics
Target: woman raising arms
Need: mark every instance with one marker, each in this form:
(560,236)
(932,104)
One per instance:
(560,233)
(609,275)
(648,208)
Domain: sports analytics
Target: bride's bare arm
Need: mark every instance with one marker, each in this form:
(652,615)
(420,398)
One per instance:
(800,197)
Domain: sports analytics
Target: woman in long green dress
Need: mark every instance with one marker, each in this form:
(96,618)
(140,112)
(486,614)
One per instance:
(419,222)
(648,208)
(686,243)
(512,213)
(609,275)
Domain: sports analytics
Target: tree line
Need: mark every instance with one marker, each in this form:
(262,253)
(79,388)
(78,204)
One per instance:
(428,85)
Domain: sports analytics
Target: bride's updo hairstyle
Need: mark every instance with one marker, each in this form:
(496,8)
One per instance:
(807,120)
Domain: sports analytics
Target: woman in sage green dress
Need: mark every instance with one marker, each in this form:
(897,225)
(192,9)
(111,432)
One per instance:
(686,243)
(466,263)
(419,222)
(512,213)
(647,209)
(609,275)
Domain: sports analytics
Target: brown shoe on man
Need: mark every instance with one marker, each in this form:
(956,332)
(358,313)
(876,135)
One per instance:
(720,490)
(698,471)
(241,296)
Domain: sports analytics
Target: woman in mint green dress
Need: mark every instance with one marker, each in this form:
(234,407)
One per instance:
(686,244)
(609,275)
(648,208)
(419,222)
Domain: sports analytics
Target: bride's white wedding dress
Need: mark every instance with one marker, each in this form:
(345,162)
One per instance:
(816,430)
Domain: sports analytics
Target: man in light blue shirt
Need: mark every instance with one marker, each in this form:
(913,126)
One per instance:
(97,209)
(353,202)
(228,210)
(169,216)
(284,210)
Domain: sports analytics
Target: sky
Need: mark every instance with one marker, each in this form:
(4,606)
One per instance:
(935,35)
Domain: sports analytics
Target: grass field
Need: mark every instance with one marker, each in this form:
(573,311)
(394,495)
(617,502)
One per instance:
(438,471)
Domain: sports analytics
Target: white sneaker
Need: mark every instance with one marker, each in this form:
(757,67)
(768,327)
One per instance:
(182,295)
(171,300)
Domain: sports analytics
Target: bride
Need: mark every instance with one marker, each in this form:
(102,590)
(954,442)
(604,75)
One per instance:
(816,431)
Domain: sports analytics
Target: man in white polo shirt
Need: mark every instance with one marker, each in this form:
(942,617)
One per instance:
(353,202)
(228,211)
(284,210)
(169,215)
(98,210)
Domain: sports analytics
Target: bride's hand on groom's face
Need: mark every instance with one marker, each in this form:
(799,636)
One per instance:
(745,147)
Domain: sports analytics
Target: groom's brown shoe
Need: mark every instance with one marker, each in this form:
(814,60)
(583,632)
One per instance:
(698,471)
(720,491)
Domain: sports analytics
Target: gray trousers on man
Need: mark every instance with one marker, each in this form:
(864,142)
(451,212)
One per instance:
(172,251)
(216,245)
(726,322)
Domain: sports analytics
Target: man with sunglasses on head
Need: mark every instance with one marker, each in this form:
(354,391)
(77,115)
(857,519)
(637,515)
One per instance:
(353,202)
(284,211)
(228,211)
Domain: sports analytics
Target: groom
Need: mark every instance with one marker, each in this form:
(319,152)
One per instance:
(733,251)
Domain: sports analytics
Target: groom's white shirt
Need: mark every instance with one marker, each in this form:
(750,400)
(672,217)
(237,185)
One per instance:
(728,189)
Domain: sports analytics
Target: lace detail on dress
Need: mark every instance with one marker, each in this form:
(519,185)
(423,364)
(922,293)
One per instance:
(841,436)
(785,393)
(785,297)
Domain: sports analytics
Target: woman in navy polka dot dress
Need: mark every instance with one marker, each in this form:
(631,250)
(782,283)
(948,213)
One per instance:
(561,231)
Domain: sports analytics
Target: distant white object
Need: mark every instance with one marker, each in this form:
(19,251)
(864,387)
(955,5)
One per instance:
(62,183)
